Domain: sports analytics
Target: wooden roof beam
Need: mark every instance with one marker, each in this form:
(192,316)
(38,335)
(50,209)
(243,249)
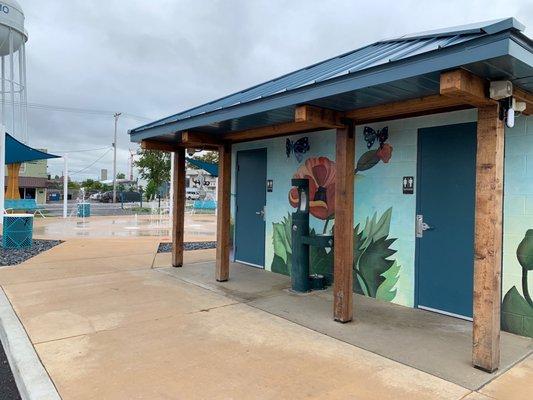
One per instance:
(463,85)
(199,140)
(406,108)
(306,119)
(159,146)
(522,95)
(320,116)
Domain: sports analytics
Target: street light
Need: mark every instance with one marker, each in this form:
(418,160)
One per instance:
(116,115)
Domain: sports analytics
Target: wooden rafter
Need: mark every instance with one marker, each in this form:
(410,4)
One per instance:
(199,140)
(306,119)
(320,116)
(159,146)
(463,85)
(522,95)
(406,108)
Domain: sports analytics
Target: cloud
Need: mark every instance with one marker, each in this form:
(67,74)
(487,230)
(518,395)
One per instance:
(159,57)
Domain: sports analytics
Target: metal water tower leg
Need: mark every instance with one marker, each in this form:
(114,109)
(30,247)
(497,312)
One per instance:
(12,78)
(65,186)
(4,92)
(2,171)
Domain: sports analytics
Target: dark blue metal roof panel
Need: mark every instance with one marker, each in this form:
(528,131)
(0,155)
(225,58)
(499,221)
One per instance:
(488,27)
(373,65)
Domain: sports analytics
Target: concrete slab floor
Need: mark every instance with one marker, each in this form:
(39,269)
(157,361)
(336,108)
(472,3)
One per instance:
(430,342)
(107,326)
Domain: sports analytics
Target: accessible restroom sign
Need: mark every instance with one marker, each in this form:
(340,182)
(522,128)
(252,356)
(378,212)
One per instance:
(408,185)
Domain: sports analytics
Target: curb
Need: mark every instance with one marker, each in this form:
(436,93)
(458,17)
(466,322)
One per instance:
(33,382)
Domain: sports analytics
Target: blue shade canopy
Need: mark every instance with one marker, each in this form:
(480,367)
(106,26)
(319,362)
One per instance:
(210,168)
(17,152)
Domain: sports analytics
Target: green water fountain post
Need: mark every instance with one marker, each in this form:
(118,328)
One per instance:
(300,229)
(301,279)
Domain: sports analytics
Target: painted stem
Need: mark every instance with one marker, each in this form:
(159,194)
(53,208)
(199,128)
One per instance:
(525,288)
(363,283)
(325,230)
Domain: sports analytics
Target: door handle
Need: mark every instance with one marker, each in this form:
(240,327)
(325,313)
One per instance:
(421,226)
(261,213)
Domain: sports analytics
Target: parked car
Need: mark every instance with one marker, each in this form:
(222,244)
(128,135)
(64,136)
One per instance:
(107,197)
(96,196)
(192,194)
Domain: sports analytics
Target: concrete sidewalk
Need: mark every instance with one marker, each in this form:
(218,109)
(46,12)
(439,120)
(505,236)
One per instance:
(109,323)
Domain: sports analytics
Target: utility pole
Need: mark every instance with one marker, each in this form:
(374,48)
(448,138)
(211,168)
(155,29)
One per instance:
(117,115)
(132,161)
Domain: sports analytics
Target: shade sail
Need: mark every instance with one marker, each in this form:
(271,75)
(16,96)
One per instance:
(18,152)
(210,168)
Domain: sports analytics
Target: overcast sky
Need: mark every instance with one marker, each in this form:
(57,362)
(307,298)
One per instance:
(154,58)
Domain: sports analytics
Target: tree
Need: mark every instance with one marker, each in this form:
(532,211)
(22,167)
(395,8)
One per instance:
(154,166)
(121,175)
(206,156)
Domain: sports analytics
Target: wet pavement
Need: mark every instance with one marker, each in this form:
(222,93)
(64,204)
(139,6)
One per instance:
(198,228)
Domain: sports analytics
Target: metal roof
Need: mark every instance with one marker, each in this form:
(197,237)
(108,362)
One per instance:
(389,70)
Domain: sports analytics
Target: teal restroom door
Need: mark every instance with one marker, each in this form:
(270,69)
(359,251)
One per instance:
(250,207)
(446,201)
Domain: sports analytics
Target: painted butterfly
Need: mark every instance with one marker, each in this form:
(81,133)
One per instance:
(299,148)
(371,135)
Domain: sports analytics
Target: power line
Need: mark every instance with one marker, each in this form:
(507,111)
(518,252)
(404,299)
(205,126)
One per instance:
(87,111)
(78,151)
(92,164)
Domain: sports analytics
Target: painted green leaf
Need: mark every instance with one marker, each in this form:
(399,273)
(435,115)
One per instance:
(279,266)
(524,252)
(517,314)
(357,244)
(367,160)
(281,238)
(374,262)
(377,230)
(386,290)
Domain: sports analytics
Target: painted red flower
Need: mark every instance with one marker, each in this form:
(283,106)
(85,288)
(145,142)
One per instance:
(385,153)
(321,174)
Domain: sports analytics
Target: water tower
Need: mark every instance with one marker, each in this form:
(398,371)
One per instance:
(13,38)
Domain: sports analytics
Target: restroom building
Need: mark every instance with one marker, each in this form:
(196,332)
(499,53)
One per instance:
(419,155)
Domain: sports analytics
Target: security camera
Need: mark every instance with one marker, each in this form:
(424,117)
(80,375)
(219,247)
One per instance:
(510,118)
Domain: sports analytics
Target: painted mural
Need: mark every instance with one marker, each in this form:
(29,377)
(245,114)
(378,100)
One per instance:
(375,274)
(517,309)
(385,217)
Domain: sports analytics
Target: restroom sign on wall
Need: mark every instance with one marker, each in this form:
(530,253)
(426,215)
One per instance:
(408,185)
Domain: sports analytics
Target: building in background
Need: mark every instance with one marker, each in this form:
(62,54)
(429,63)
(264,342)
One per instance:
(203,181)
(33,179)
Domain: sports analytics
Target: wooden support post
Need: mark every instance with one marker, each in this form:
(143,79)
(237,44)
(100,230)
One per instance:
(178,208)
(344,211)
(223,213)
(13,173)
(488,239)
